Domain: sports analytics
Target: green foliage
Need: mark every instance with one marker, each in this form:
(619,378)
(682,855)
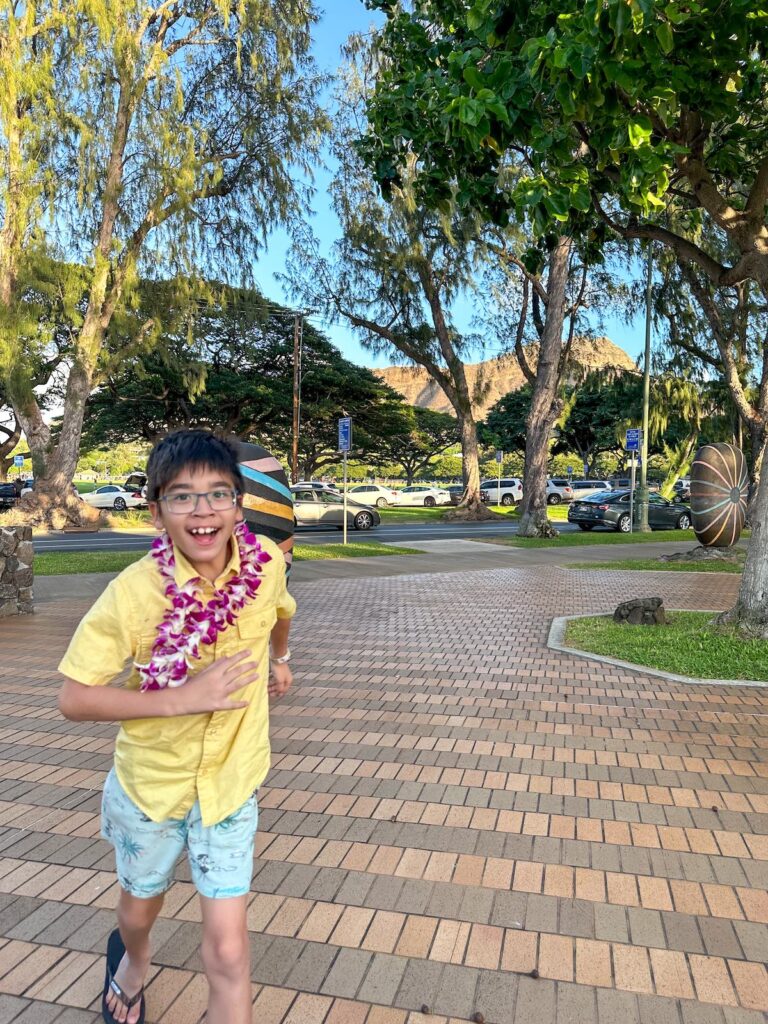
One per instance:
(605,101)
(162,138)
(232,370)
(415,450)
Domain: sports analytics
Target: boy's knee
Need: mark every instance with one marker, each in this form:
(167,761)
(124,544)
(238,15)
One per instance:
(135,914)
(227,954)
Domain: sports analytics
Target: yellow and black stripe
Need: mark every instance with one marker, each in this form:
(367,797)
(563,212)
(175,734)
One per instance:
(267,501)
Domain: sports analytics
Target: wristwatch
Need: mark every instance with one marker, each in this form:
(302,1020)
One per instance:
(282,660)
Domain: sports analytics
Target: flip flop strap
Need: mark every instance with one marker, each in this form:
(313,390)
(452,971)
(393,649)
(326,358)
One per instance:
(127,1001)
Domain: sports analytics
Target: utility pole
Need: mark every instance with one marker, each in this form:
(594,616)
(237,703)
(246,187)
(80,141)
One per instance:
(297,333)
(642,491)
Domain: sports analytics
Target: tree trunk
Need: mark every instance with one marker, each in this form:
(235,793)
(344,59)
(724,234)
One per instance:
(545,405)
(751,609)
(470,466)
(53,502)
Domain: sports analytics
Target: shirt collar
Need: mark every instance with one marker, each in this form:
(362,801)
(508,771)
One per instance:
(183,571)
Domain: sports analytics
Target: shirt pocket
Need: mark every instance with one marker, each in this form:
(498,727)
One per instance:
(144,643)
(254,625)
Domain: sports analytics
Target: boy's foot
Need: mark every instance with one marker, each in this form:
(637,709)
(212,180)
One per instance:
(129,978)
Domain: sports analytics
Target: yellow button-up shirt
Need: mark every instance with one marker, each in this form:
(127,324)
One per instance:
(165,764)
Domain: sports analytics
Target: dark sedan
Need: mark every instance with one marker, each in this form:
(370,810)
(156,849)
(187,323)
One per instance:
(611,509)
(456,492)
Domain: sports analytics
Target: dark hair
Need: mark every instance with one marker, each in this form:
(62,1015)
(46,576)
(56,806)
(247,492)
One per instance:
(198,449)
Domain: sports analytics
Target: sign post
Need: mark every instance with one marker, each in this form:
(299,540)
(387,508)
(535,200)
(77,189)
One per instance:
(632,443)
(345,444)
(499,458)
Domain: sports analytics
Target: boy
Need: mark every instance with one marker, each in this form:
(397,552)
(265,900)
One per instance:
(196,617)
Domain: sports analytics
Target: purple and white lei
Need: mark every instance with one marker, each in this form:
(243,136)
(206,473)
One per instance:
(188,623)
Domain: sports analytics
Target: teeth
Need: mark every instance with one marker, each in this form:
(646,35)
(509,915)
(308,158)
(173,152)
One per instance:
(204,529)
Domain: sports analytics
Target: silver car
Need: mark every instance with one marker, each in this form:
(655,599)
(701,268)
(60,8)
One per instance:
(326,508)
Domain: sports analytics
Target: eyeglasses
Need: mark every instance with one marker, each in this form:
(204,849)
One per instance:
(183,502)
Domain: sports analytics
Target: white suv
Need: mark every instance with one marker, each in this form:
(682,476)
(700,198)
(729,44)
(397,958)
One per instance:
(558,489)
(511,491)
(584,488)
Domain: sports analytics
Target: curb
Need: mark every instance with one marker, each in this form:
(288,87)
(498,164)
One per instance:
(557,636)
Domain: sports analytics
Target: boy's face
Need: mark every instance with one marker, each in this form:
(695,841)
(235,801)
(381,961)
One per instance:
(201,535)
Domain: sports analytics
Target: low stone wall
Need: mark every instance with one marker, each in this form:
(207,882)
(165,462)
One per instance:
(16,575)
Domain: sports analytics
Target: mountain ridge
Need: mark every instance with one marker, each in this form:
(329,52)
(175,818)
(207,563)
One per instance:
(498,376)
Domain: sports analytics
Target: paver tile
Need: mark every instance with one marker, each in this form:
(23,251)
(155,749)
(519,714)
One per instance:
(434,827)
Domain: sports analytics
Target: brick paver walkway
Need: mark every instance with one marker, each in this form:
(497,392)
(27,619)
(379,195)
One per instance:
(452,806)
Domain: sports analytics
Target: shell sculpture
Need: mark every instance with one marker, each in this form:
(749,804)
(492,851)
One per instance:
(719,489)
(267,502)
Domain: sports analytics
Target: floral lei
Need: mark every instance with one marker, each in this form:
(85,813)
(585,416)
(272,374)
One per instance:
(188,623)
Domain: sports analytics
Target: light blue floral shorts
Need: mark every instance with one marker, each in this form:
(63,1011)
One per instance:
(147,852)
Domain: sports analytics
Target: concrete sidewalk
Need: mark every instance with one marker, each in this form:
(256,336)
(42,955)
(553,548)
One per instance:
(452,806)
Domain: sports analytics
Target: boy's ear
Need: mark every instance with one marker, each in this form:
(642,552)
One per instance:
(239,517)
(157,516)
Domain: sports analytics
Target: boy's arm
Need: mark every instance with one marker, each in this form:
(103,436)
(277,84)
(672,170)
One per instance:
(280,676)
(207,691)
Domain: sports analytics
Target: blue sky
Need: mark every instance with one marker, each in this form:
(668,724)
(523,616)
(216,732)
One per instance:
(340,18)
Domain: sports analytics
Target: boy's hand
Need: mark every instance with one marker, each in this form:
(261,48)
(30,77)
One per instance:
(280,680)
(211,689)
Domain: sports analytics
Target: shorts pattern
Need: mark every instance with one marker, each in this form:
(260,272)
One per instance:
(146,852)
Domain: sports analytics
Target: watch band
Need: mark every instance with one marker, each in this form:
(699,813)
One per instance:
(282,660)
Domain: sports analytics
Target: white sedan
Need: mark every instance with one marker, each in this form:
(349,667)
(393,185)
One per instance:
(116,497)
(422,495)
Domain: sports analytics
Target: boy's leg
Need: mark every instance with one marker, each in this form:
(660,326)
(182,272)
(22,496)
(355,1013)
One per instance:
(135,918)
(226,956)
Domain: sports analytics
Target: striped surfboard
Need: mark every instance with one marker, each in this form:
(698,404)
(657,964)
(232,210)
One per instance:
(267,502)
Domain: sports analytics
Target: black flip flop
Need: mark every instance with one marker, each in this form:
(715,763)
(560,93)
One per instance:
(115,953)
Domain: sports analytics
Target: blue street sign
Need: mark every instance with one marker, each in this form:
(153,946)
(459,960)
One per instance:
(633,439)
(570,471)
(345,434)
(499,456)
(18,460)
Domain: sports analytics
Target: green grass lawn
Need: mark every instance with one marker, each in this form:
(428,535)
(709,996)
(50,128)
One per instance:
(63,563)
(689,645)
(652,565)
(556,513)
(580,540)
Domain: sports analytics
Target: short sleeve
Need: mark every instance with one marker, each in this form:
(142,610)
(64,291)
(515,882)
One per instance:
(103,642)
(285,603)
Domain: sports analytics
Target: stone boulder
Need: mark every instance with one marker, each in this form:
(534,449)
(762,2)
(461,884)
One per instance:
(641,611)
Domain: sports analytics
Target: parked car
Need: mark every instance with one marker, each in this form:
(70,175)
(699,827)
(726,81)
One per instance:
(419,494)
(507,491)
(585,488)
(558,489)
(312,507)
(456,492)
(116,497)
(611,509)
(317,485)
(7,495)
(374,494)
(682,490)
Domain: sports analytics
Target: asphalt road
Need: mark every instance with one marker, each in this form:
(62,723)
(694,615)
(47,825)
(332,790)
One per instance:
(395,533)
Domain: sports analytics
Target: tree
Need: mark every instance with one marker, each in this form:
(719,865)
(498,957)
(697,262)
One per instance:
(429,434)
(627,109)
(722,332)
(395,272)
(175,117)
(231,369)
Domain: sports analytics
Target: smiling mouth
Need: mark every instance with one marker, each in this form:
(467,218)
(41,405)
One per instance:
(204,535)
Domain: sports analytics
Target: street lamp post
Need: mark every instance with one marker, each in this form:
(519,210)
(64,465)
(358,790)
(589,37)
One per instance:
(642,490)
